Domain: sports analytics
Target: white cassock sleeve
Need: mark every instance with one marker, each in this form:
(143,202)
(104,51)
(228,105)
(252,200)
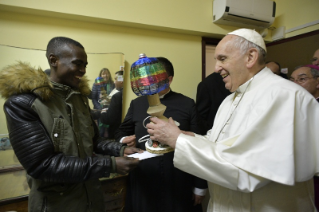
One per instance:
(217,170)
(279,143)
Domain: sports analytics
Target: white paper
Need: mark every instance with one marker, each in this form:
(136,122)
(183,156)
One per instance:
(144,155)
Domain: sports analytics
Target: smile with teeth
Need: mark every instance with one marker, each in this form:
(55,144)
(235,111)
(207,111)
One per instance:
(224,75)
(78,77)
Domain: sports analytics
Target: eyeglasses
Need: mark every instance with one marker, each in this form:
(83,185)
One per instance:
(301,79)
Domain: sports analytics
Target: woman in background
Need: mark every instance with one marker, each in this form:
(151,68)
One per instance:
(102,87)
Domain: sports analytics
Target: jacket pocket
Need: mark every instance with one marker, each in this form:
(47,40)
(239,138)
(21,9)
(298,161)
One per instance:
(58,134)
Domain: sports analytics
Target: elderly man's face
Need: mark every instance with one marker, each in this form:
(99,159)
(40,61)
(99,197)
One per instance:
(273,67)
(231,64)
(315,58)
(303,77)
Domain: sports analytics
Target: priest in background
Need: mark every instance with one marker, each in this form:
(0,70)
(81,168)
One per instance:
(156,185)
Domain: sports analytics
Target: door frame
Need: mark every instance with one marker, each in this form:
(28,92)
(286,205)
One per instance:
(206,41)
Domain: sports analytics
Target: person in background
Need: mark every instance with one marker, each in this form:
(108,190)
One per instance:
(263,150)
(53,135)
(210,94)
(103,82)
(118,82)
(276,68)
(315,58)
(308,77)
(47,71)
(112,115)
(102,87)
(156,186)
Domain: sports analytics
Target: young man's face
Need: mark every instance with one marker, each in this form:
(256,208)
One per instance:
(70,66)
(230,64)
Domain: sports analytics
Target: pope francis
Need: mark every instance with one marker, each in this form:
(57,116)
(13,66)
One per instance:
(263,149)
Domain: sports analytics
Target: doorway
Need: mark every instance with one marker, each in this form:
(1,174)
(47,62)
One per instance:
(208,51)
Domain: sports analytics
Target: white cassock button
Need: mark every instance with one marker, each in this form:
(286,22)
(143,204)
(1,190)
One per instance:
(56,135)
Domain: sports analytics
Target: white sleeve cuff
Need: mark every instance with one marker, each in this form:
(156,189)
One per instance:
(121,141)
(199,191)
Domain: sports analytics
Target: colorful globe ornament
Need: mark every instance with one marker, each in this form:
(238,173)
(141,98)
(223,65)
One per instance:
(148,78)
(100,81)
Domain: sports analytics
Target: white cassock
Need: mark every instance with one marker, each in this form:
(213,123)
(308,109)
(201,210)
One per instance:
(262,151)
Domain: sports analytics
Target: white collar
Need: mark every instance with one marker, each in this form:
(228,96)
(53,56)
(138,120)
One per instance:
(243,87)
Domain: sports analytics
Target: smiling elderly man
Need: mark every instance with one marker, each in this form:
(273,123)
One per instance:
(263,149)
(308,77)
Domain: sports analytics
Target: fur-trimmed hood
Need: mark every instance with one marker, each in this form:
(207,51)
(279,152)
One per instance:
(22,78)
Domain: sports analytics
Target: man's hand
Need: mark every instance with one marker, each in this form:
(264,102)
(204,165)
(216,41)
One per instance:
(163,132)
(130,140)
(124,164)
(132,150)
(198,199)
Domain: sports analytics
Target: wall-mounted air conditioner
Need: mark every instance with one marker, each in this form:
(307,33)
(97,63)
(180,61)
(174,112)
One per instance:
(244,13)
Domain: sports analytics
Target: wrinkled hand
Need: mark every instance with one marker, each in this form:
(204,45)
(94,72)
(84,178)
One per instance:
(188,133)
(130,140)
(198,199)
(162,131)
(132,150)
(124,164)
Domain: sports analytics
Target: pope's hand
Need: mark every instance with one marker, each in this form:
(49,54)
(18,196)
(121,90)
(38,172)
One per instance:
(163,132)
(188,133)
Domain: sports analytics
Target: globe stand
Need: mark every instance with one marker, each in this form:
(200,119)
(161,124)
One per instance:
(156,108)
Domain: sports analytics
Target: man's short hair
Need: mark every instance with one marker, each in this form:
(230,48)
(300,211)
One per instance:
(56,43)
(314,72)
(119,72)
(276,64)
(244,45)
(167,65)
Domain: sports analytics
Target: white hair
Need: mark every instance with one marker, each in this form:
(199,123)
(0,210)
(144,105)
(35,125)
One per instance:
(244,45)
